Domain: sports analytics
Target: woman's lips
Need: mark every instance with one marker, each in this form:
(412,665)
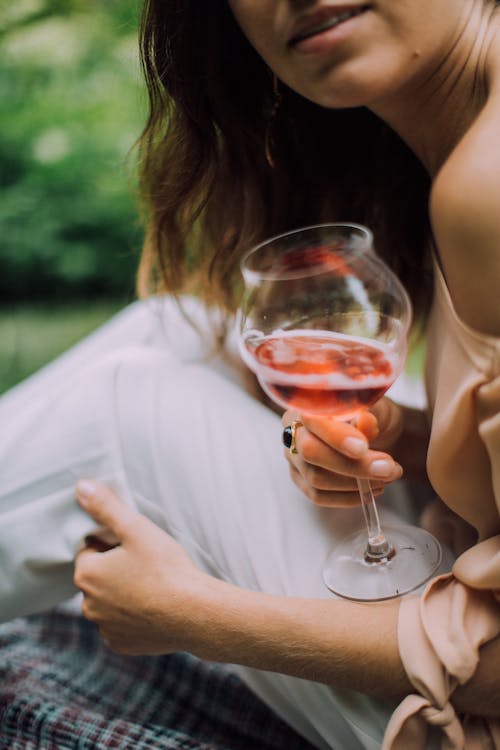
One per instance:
(323,21)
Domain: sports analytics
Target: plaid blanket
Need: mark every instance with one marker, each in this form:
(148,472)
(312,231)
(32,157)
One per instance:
(60,687)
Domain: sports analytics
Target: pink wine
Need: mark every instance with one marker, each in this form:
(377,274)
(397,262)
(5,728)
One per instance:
(324,373)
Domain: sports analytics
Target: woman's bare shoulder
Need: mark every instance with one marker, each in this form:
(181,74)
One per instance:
(465,215)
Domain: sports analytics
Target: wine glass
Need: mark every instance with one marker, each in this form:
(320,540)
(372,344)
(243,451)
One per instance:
(323,323)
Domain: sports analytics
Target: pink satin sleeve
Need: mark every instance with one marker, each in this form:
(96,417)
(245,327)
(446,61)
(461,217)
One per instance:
(440,633)
(439,638)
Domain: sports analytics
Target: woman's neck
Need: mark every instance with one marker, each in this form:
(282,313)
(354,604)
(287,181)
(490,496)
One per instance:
(437,110)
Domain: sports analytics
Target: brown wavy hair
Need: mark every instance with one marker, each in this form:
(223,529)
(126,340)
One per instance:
(208,191)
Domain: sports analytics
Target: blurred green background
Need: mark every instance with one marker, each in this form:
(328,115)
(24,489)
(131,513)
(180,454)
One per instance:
(73,104)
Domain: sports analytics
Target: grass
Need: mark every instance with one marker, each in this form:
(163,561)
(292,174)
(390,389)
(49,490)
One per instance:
(31,336)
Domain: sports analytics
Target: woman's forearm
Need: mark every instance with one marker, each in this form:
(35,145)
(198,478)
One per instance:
(345,644)
(340,643)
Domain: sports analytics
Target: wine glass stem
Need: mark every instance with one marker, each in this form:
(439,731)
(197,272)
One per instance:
(378,548)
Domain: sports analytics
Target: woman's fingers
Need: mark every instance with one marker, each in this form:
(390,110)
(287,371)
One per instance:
(106,508)
(313,451)
(342,436)
(368,424)
(322,479)
(99,543)
(346,497)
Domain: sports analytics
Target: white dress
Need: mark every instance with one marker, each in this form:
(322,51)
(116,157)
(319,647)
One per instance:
(140,405)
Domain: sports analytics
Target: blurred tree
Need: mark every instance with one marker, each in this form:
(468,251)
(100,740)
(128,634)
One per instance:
(72,107)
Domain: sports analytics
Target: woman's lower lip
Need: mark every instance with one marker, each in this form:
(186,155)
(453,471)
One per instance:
(325,40)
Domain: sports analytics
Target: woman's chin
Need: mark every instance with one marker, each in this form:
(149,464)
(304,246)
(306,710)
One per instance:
(344,92)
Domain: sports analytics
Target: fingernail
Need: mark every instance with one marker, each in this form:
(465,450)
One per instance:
(85,490)
(355,446)
(382,468)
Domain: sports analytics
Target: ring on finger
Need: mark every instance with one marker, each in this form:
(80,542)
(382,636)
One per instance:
(289,435)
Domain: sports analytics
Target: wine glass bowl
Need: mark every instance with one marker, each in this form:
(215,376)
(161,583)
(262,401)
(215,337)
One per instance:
(324,373)
(323,323)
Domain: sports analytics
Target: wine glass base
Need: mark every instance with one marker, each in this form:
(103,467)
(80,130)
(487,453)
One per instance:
(417,557)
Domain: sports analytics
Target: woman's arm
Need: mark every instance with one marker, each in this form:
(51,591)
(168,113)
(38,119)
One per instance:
(148,597)
(340,643)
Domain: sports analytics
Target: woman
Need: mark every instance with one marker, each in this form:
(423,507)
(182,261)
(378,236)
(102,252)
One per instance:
(371,113)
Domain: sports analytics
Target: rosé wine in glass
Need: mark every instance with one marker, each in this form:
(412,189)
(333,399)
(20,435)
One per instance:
(324,373)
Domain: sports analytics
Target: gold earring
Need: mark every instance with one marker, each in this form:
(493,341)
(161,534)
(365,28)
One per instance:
(268,138)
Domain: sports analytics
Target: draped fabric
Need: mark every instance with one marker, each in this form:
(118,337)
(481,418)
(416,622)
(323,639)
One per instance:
(440,633)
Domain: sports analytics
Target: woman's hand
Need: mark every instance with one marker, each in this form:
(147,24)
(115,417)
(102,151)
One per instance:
(333,454)
(143,592)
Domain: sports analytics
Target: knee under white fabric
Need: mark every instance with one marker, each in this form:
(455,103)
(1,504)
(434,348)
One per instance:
(139,405)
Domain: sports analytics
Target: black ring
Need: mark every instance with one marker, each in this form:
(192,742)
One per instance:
(287,436)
